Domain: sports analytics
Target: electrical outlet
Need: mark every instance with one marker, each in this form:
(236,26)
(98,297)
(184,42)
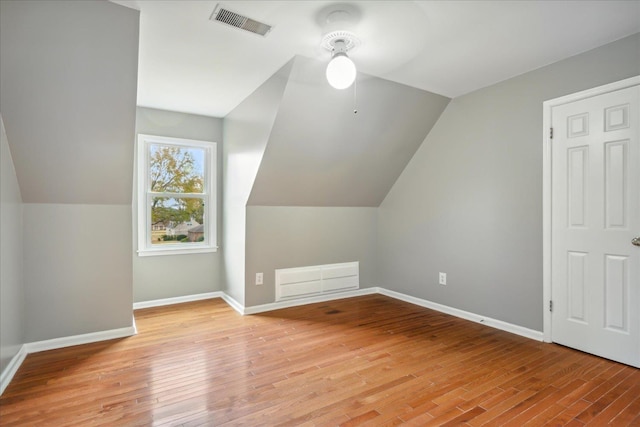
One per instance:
(443,278)
(259,279)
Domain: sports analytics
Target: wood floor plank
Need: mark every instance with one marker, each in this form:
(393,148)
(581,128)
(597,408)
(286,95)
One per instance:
(630,415)
(616,406)
(499,404)
(370,361)
(595,411)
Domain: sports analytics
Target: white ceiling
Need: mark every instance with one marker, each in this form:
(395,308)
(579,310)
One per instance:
(190,64)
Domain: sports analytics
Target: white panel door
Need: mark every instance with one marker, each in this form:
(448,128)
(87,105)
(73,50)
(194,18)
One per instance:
(595,216)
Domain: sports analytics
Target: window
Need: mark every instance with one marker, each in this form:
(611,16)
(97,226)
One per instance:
(176,196)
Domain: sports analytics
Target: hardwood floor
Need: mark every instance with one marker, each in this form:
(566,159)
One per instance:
(369,360)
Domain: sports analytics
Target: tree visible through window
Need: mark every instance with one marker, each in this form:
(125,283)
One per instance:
(176,183)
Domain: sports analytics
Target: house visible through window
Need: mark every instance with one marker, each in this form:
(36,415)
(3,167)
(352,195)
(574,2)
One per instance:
(176,196)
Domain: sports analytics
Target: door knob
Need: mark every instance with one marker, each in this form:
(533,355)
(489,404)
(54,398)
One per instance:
(635,241)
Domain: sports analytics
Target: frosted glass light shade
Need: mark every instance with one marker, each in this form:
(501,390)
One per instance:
(341,71)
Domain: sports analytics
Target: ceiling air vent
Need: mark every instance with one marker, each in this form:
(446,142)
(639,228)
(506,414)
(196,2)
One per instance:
(228,17)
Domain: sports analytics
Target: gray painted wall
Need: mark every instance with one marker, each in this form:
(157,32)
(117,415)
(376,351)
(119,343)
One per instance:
(77,272)
(246,132)
(322,154)
(12,313)
(324,171)
(68,98)
(285,237)
(168,276)
(470,201)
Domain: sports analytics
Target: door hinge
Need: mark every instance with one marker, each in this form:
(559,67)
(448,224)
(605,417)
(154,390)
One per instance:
(550,305)
(551,133)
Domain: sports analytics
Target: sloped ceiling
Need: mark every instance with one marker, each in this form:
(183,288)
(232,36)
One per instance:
(68,78)
(191,64)
(247,130)
(321,153)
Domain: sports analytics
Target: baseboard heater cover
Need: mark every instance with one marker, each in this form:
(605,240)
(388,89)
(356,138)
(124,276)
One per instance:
(301,282)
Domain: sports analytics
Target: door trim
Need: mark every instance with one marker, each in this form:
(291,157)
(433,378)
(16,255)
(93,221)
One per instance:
(547,180)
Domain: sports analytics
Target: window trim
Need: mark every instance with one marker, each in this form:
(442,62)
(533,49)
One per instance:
(145,247)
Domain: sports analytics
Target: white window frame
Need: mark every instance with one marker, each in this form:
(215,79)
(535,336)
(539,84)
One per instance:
(145,247)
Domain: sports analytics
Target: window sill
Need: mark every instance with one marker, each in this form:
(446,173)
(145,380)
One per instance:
(177,251)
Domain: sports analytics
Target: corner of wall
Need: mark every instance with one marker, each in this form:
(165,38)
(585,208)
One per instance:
(12,295)
(246,133)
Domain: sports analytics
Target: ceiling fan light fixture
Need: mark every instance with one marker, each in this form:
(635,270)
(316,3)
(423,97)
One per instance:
(341,71)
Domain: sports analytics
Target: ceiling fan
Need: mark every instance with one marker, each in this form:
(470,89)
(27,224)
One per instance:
(341,71)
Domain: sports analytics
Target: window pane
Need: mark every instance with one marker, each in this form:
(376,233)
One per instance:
(177,220)
(175,169)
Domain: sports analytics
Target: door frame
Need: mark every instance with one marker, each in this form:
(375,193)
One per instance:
(547,181)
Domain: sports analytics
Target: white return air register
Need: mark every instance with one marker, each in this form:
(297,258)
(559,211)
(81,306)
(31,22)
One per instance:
(301,282)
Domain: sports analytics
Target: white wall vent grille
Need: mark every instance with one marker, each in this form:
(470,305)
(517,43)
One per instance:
(242,22)
(302,282)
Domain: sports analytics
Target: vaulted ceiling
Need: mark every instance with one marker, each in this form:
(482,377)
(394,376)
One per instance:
(330,148)
(191,64)
(65,86)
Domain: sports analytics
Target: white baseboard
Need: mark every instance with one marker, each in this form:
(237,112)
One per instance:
(133,325)
(176,300)
(494,323)
(12,368)
(233,303)
(303,301)
(52,344)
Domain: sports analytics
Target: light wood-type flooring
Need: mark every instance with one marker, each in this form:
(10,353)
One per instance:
(369,360)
